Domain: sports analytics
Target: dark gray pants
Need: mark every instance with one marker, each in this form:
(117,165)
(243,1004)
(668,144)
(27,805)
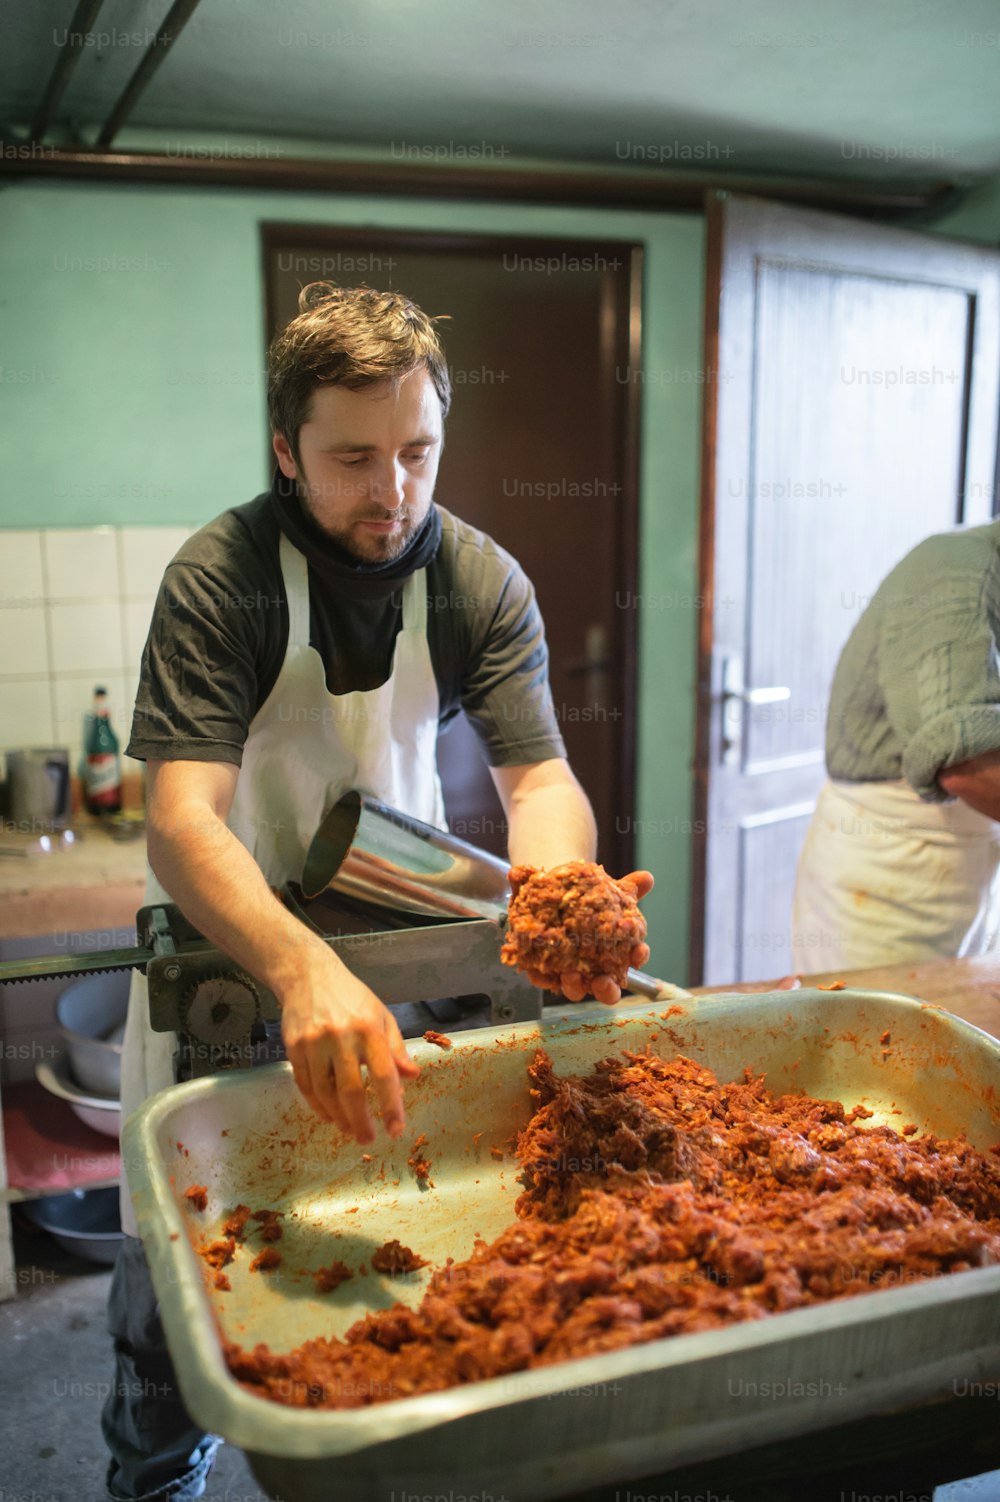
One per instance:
(157,1451)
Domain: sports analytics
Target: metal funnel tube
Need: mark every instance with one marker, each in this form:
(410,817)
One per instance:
(367,850)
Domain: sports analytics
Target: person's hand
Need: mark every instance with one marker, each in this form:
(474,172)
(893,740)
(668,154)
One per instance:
(603,988)
(750,987)
(331,1024)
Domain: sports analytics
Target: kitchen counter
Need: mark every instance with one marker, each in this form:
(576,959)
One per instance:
(97,884)
(969,988)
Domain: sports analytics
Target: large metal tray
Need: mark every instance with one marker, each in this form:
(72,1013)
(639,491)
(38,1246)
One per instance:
(546,1433)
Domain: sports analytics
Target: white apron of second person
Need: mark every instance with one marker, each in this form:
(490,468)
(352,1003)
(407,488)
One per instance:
(887,878)
(305,748)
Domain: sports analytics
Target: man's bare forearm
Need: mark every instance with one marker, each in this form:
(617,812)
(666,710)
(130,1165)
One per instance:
(333,1026)
(219,887)
(551,822)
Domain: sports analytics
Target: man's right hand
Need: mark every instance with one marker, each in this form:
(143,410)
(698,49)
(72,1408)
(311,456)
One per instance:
(331,1024)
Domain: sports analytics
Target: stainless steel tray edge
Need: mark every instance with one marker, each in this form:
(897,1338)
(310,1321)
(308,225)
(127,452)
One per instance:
(630,1425)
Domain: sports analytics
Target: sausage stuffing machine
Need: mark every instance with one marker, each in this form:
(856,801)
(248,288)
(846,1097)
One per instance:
(413,911)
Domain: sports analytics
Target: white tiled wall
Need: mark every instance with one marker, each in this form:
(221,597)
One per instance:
(75,604)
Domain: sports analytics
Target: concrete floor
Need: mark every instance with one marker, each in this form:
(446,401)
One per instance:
(54,1379)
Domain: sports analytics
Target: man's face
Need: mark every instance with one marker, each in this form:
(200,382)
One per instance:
(369,460)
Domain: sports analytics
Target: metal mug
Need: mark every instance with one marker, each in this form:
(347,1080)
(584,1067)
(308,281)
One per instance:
(38,789)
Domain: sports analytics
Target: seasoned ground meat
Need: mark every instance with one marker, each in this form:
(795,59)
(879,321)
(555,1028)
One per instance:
(420,1163)
(236,1223)
(657,1201)
(197,1197)
(218,1253)
(270,1229)
(329,1279)
(265,1260)
(396,1258)
(574,919)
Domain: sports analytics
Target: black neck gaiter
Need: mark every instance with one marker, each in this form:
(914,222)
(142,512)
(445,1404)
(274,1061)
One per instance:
(333,564)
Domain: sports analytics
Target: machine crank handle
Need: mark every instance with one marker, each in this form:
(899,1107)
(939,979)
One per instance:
(639,983)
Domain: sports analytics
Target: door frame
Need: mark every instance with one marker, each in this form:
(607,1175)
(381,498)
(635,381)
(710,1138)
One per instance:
(714,230)
(980,421)
(624,348)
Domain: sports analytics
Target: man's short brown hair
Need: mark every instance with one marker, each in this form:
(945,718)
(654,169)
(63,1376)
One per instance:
(353,337)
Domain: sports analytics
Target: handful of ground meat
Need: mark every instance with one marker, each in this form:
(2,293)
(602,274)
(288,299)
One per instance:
(572,920)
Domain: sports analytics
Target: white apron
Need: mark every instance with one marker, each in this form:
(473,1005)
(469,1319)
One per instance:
(885,877)
(305,748)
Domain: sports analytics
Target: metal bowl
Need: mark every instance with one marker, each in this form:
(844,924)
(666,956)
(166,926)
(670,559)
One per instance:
(91,1014)
(102,1112)
(85,1222)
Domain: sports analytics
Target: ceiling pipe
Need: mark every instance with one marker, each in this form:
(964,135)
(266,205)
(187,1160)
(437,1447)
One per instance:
(551,183)
(177,18)
(70,53)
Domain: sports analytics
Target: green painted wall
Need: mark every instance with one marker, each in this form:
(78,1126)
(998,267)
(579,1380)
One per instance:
(130,341)
(978,218)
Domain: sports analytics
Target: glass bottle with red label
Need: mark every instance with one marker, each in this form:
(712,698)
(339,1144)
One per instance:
(102,783)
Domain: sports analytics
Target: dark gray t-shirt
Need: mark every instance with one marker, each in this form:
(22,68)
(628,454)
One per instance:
(220,629)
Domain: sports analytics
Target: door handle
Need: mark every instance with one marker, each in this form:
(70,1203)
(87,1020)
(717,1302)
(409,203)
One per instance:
(735,694)
(761,695)
(596,658)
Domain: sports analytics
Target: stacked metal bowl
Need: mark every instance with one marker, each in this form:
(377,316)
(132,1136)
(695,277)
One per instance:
(87,1075)
(91,1016)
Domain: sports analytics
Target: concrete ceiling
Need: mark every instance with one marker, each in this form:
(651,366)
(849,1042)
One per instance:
(851,89)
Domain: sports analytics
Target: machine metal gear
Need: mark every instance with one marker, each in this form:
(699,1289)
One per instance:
(221,1008)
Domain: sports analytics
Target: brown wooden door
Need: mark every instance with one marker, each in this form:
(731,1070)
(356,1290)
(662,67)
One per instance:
(855,412)
(540,452)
